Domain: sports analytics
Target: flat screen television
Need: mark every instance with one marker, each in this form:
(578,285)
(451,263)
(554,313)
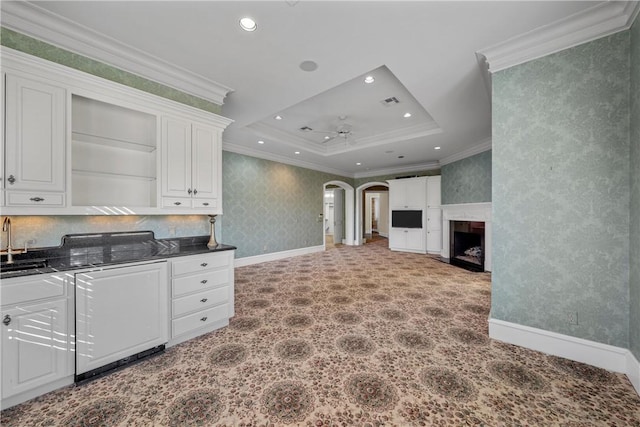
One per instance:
(406,219)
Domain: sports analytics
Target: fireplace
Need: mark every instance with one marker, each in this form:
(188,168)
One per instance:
(467,244)
(472,213)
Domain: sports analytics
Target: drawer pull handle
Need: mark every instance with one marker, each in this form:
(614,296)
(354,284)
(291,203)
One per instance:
(204,281)
(203,319)
(6,320)
(204,264)
(37,199)
(11,179)
(189,191)
(195,191)
(177,203)
(203,300)
(205,204)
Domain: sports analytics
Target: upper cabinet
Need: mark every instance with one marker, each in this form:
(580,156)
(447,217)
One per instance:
(34,142)
(78,144)
(408,193)
(191,165)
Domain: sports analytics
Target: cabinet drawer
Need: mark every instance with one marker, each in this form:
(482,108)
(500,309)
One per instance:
(200,301)
(199,320)
(205,203)
(20,290)
(199,282)
(27,198)
(200,263)
(176,202)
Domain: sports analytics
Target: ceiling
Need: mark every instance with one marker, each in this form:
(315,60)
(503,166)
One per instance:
(422,53)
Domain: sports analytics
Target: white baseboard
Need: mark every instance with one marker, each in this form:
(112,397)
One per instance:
(274,256)
(633,371)
(604,356)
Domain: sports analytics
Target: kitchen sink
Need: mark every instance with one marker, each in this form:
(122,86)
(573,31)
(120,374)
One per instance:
(23,265)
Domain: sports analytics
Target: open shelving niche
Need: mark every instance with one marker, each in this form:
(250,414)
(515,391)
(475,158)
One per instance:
(113,155)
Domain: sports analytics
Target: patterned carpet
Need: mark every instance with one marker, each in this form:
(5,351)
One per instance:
(351,336)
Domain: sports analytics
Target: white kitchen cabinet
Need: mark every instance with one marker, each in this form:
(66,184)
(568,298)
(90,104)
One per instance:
(37,336)
(34,141)
(191,165)
(77,144)
(120,312)
(202,294)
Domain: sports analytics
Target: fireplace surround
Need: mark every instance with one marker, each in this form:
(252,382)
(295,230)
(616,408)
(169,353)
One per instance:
(471,212)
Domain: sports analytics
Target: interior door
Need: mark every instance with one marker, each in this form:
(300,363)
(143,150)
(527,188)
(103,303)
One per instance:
(338,215)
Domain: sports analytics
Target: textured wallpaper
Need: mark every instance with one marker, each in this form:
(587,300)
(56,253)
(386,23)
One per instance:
(467,180)
(52,53)
(561,192)
(634,256)
(269,206)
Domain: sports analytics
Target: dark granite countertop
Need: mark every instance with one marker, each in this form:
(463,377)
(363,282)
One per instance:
(80,251)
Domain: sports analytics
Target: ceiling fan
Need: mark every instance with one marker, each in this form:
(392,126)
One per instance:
(343,130)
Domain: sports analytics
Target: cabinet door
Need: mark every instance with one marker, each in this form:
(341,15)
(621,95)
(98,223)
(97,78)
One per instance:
(397,238)
(35,346)
(434,230)
(397,195)
(433,191)
(176,157)
(416,193)
(119,312)
(415,239)
(205,154)
(35,135)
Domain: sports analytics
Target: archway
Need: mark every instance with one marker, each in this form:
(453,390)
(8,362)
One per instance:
(359,207)
(348,211)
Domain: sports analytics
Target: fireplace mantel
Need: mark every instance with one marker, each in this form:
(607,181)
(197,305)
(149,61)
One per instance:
(477,212)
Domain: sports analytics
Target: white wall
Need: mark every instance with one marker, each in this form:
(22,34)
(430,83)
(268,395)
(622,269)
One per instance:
(383,219)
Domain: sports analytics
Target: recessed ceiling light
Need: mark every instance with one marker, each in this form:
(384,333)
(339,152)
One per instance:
(261,142)
(401,157)
(369,79)
(407,115)
(327,137)
(436,148)
(297,152)
(308,66)
(278,117)
(248,24)
(358,164)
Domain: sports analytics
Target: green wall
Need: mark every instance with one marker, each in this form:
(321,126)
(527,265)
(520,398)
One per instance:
(561,191)
(634,253)
(269,206)
(467,180)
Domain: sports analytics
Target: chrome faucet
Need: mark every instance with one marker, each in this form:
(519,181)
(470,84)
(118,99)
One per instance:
(6,227)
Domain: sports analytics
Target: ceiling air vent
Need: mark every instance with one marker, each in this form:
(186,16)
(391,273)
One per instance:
(390,101)
(306,129)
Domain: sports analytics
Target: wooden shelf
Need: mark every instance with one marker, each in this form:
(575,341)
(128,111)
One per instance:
(112,142)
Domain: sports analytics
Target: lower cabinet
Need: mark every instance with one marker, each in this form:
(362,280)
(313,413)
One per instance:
(407,239)
(37,336)
(119,311)
(202,294)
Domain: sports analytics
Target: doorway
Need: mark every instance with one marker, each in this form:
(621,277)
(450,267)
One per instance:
(372,211)
(337,223)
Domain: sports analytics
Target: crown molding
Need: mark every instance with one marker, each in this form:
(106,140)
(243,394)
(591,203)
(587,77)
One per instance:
(34,21)
(246,151)
(483,146)
(597,21)
(403,169)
